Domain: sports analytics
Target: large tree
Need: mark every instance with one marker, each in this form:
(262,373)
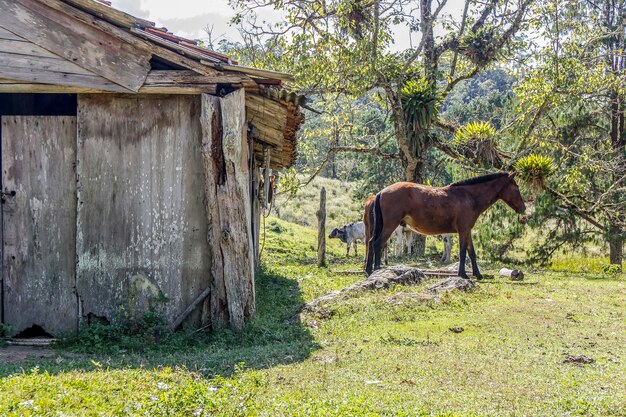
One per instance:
(347,47)
(572,109)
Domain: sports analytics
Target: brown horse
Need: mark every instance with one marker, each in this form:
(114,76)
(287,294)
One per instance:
(437,210)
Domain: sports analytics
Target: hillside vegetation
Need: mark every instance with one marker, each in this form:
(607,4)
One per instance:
(341,205)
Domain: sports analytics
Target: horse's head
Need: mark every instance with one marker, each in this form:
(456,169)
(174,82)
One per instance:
(511,195)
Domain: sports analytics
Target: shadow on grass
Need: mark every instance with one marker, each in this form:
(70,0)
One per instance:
(274,337)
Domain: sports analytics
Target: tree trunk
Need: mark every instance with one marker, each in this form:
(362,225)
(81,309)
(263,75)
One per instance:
(616,246)
(416,172)
(228,208)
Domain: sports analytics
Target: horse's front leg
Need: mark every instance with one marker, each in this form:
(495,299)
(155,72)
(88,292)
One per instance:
(348,250)
(355,252)
(462,253)
(472,255)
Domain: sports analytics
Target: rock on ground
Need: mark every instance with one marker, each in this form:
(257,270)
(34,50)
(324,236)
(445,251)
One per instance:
(394,275)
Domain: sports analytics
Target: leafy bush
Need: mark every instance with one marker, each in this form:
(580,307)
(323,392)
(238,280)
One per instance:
(125,333)
(4,329)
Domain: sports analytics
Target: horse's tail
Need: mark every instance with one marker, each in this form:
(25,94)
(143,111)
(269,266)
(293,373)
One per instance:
(378,219)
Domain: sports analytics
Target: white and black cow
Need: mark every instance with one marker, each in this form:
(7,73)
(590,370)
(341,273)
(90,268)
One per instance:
(349,234)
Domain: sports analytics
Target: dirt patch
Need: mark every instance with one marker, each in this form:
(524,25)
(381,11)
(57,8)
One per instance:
(12,354)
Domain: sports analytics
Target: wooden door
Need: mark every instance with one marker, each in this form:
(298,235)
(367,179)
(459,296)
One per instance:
(39,222)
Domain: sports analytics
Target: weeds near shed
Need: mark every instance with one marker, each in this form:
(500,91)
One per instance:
(125,334)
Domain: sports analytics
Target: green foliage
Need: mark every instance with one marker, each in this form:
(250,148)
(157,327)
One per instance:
(497,232)
(475,132)
(535,169)
(487,97)
(480,46)
(477,141)
(126,333)
(420,102)
(5,329)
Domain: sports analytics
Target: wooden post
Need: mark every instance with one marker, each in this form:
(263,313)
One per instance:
(266,177)
(227,196)
(321,230)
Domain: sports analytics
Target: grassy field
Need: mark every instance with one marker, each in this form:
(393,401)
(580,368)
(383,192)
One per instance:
(385,353)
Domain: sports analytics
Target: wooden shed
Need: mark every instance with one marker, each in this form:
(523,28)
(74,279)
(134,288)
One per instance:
(131,164)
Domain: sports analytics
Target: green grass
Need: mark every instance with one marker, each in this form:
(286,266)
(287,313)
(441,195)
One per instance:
(384,353)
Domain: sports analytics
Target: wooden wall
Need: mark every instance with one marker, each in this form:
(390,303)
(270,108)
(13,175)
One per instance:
(39,222)
(142,224)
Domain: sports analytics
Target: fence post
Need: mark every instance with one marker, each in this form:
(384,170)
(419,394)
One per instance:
(321,230)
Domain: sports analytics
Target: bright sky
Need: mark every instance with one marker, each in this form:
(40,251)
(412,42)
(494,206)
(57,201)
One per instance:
(188,18)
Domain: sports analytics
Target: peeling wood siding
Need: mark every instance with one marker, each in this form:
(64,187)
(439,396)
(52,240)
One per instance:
(141,210)
(39,223)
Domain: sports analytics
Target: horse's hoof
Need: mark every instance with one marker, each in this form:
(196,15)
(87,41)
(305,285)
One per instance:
(478,276)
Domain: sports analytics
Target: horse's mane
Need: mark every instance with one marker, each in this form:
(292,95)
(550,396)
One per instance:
(481,179)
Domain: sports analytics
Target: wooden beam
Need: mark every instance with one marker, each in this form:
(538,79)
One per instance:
(5,34)
(76,41)
(109,14)
(283,76)
(164,77)
(13,86)
(193,53)
(59,79)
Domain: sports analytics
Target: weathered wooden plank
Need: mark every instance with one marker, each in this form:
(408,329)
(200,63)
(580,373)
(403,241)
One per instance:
(225,158)
(110,14)
(283,76)
(5,34)
(24,47)
(141,224)
(76,41)
(44,76)
(38,156)
(119,33)
(156,77)
(52,64)
(17,86)
(192,53)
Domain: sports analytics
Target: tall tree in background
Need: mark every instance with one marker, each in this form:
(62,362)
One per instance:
(572,110)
